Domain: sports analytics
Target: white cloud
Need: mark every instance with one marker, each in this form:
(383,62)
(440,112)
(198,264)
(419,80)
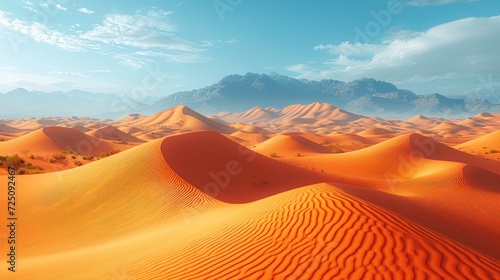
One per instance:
(7,68)
(347,48)
(41,33)
(60,7)
(145,30)
(133,61)
(66,73)
(87,74)
(175,57)
(458,49)
(100,71)
(85,11)
(421,3)
(133,40)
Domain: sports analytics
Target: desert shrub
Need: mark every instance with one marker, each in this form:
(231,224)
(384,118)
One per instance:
(73,157)
(336,150)
(103,155)
(21,171)
(59,156)
(15,161)
(34,167)
(52,160)
(493,151)
(78,163)
(274,155)
(32,157)
(114,151)
(88,157)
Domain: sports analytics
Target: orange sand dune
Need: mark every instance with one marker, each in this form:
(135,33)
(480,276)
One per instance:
(114,134)
(9,129)
(430,176)
(254,115)
(375,131)
(251,128)
(148,213)
(81,128)
(487,144)
(448,127)
(183,118)
(318,111)
(290,145)
(250,138)
(235,173)
(128,119)
(131,129)
(54,139)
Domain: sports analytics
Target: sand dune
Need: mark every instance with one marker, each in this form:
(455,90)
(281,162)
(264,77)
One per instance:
(251,128)
(487,145)
(365,199)
(182,117)
(114,134)
(250,138)
(375,131)
(55,139)
(215,158)
(8,129)
(318,111)
(199,206)
(252,116)
(290,145)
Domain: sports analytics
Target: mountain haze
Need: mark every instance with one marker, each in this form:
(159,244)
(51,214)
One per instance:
(239,93)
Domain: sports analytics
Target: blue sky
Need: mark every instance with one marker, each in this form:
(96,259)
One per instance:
(161,47)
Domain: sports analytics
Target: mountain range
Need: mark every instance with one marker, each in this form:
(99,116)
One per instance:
(238,93)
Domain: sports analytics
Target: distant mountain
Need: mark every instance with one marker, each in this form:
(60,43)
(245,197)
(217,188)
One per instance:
(238,93)
(21,103)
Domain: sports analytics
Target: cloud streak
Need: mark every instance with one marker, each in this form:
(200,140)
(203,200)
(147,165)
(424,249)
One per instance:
(85,11)
(133,40)
(458,49)
(423,3)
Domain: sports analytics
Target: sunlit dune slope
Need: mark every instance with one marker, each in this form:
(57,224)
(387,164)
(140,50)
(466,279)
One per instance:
(314,232)
(183,117)
(437,186)
(290,145)
(9,129)
(487,142)
(55,139)
(114,134)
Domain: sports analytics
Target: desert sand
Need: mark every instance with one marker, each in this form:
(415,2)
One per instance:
(305,192)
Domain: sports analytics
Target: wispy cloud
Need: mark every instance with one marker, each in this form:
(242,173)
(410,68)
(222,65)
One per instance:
(85,11)
(7,67)
(41,33)
(133,61)
(422,3)
(462,48)
(150,29)
(133,40)
(87,74)
(175,57)
(60,7)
